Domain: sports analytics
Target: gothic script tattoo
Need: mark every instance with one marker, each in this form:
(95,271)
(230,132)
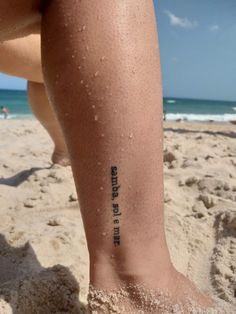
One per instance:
(116,212)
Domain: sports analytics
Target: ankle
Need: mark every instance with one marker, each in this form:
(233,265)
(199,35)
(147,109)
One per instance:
(60,157)
(110,272)
(60,148)
(129,297)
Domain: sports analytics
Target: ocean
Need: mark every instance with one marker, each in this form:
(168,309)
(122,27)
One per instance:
(17,103)
(199,109)
(175,108)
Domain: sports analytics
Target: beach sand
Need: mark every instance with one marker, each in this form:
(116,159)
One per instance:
(43,254)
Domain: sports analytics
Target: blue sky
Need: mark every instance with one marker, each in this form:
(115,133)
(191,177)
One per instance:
(198,49)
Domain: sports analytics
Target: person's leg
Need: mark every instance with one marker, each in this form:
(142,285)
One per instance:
(102,71)
(21,57)
(43,111)
(19,18)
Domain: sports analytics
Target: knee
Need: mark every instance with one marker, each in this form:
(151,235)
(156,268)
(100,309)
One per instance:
(21,57)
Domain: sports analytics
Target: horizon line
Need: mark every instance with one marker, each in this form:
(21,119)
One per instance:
(174,97)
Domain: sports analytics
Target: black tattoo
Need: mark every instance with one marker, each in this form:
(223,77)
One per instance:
(115,205)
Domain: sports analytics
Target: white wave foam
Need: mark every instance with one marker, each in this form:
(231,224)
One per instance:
(169,116)
(171,101)
(17,116)
(234,108)
(201,117)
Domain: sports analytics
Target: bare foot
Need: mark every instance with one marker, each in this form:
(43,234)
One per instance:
(173,293)
(61,158)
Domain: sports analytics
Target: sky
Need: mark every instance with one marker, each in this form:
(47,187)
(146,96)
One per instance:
(198,49)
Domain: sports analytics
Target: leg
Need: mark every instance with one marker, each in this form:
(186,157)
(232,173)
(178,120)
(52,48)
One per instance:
(105,85)
(21,57)
(44,113)
(19,18)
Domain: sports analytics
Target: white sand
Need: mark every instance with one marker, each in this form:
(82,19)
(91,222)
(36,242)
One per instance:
(41,226)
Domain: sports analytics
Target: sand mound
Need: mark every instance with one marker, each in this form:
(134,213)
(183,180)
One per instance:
(53,290)
(29,288)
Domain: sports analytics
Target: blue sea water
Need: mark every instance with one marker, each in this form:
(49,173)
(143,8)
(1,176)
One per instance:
(17,103)
(199,109)
(175,108)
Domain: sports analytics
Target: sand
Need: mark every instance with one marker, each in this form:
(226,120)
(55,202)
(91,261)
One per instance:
(43,254)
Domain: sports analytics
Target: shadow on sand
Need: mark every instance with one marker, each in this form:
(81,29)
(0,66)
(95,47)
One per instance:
(30,288)
(186,131)
(20,177)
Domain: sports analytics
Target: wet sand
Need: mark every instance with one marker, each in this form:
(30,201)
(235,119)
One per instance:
(41,227)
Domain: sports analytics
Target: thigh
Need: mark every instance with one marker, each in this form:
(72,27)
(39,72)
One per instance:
(21,57)
(19,18)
